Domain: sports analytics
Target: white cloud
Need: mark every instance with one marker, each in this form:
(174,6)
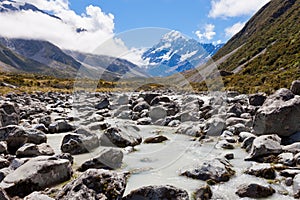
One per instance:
(234,8)
(232,30)
(207,34)
(36,25)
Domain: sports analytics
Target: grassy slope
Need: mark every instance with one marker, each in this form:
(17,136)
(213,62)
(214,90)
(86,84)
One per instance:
(269,50)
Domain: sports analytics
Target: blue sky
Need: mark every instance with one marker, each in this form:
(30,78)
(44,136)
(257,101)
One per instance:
(187,16)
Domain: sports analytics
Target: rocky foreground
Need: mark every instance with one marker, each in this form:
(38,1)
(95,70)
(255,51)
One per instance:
(266,127)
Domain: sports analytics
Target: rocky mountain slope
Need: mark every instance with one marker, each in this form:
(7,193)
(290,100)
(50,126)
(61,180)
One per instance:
(177,53)
(265,54)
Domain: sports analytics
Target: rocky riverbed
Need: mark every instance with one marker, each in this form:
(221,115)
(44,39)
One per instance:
(150,145)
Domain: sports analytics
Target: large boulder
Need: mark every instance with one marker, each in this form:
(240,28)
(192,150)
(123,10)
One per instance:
(264,146)
(217,170)
(157,193)
(264,170)
(110,158)
(15,136)
(9,114)
(257,99)
(37,196)
(36,174)
(60,126)
(280,114)
(80,142)
(254,190)
(95,184)
(33,150)
(121,137)
(190,129)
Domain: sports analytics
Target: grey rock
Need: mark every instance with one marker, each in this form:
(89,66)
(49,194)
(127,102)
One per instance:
(81,142)
(288,181)
(203,193)
(3,147)
(286,159)
(157,193)
(217,170)
(295,87)
(103,104)
(144,121)
(3,162)
(121,137)
(160,99)
(95,184)
(37,196)
(60,126)
(36,136)
(46,120)
(278,115)
(155,139)
(245,135)
(190,129)
(34,175)
(3,195)
(33,150)
(254,190)
(257,99)
(293,148)
(264,170)
(158,112)
(289,172)
(9,114)
(107,159)
(141,106)
(296,186)
(265,145)
(214,126)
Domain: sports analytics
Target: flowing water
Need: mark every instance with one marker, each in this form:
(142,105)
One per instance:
(160,164)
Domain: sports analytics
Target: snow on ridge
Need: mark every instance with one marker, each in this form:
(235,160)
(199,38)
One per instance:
(187,55)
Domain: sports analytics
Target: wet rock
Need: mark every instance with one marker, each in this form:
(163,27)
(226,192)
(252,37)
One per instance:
(121,137)
(157,193)
(217,170)
(46,120)
(279,114)
(262,170)
(37,196)
(265,145)
(82,142)
(295,87)
(244,135)
(95,184)
(203,193)
(257,99)
(34,175)
(60,126)
(33,150)
(107,159)
(155,139)
(247,143)
(254,190)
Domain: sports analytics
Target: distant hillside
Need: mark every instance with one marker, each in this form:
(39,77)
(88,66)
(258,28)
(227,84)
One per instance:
(267,49)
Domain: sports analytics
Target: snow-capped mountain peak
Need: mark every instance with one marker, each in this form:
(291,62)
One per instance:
(177,53)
